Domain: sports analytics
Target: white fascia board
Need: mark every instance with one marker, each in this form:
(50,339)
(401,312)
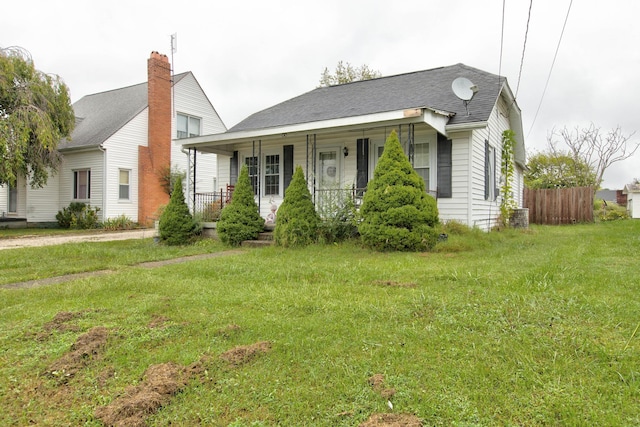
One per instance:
(466,126)
(434,118)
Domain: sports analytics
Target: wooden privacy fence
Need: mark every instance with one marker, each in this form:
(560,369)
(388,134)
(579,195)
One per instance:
(560,205)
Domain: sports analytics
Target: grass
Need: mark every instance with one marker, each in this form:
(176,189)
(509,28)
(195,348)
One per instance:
(508,328)
(23,264)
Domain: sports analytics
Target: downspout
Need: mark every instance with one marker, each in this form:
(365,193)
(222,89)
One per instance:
(188,179)
(104,181)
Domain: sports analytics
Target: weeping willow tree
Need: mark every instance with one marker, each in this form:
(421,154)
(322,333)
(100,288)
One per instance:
(35,114)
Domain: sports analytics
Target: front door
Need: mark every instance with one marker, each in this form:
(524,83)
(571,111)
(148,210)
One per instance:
(328,180)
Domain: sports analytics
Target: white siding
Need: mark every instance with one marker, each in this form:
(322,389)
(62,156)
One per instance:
(122,153)
(4,199)
(44,203)
(457,207)
(485,213)
(92,160)
(191,100)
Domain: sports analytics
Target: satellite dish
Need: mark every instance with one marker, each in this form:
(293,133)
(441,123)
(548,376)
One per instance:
(464,88)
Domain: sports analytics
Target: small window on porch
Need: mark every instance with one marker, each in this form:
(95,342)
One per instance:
(252,168)
(421,162)
(272,175)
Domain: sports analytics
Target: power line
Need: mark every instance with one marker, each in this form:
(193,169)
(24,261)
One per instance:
(524,47)
(551,69)
(501,40)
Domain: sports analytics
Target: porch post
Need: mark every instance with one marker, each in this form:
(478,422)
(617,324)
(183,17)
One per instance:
(412,144)
(193,179)
(259,172)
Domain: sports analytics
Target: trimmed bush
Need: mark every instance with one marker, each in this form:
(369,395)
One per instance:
(79,216)
(177,226)
(240,219)
(297,223)
(397,214)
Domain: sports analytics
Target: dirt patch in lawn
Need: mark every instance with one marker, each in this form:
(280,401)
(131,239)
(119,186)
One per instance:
(228,330)
(243,354)
(158,322)
(87,347)
(377,382)
(393,284)
(158,386)
(61,322)
(392,420)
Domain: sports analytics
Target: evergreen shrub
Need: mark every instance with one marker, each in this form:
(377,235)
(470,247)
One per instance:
(397,214)
(297,222)
(177,226)
(240,219)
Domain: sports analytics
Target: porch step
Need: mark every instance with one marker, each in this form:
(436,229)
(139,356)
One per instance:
(264,239)
(257,243)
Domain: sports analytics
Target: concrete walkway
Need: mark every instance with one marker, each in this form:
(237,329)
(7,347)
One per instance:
(29,241)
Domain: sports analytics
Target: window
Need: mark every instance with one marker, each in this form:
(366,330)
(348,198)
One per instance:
(13,199)
(272,175)
(82,184)
(421,162)
(123,184)
(187,126)
(252,168)
(490,192)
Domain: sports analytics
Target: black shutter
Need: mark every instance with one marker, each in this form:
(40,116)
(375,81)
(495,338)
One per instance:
(362,163)
(233,169)
(287,165)
(444,167)
(487,171)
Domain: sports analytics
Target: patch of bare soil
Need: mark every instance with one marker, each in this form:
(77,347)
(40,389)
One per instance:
(242,354)
(61,323)
(377,382)
(394,284)
(160,383)
(228,330)
(392,420)
(86,348)
(158,322)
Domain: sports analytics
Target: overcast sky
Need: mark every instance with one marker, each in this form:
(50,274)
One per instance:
(249,55)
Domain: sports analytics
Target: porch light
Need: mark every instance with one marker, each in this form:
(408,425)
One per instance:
(345,151)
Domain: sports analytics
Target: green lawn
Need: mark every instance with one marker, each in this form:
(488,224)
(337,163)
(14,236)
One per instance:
(530,328)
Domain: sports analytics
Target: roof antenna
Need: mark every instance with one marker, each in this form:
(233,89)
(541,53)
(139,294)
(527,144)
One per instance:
(464,89)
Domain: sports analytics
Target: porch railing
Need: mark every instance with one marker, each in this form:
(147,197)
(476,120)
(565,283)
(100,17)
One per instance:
(208,205)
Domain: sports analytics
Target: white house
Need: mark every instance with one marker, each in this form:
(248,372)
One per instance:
(633,199)
(121,144)
(337,134)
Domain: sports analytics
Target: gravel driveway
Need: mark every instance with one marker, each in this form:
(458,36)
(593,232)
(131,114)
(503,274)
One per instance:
(32,241)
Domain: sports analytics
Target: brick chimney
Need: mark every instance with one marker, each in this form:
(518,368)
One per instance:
(155,158)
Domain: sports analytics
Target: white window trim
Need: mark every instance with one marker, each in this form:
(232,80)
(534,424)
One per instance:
(75,188)
(262,168)
(188,116)
(128,199)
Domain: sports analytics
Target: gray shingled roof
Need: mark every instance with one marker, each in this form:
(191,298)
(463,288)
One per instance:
(100,115)
(429,88)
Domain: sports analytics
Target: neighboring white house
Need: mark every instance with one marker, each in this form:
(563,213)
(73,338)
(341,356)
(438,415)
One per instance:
(633,199)
(114,139)
(337,134)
